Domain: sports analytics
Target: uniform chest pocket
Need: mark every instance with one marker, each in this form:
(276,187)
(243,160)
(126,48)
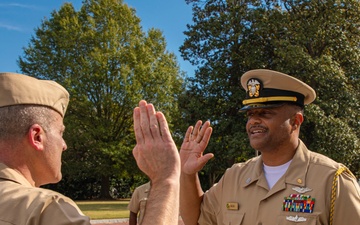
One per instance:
(233,218)
(298,219)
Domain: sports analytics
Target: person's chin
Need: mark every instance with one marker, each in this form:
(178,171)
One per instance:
(256,143)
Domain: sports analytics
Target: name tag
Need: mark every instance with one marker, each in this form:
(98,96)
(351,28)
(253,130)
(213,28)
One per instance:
(232,206)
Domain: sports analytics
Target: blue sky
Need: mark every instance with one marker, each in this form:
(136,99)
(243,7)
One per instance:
(19,18)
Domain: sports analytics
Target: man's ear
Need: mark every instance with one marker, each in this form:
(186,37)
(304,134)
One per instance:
(297,120)
(36,136)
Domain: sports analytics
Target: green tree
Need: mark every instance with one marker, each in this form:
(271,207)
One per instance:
(315,41)
(107,63)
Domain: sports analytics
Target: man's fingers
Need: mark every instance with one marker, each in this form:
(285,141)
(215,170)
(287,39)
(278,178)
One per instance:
(137,128)
(205,139)
(194,167)
(154,123)
(205,158)
(188,134)
(135,152)
(164,127)
(144,119)
(195,131)
(203,129)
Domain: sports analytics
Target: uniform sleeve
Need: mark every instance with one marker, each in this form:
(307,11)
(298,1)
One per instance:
(210,206)
(347,203)
(60,210)
(134,202)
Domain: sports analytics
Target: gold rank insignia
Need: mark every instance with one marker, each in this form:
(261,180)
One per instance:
(232,206)
(254,86)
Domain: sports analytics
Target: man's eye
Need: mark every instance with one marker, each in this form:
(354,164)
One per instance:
(267,113)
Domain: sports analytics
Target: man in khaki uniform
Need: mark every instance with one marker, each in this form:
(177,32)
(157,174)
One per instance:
(31,145)
(286,184)
(137,203)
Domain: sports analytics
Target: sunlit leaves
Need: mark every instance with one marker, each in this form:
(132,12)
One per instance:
(107,63)
(315,41)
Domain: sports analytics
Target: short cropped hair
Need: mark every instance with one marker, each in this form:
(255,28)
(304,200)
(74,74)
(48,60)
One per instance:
(297,107)
(16,120)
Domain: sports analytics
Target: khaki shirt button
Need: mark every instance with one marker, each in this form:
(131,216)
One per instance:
(299,181)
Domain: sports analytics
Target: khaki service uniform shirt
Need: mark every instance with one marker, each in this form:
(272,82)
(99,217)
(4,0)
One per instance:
(242,196)
(23,204)
(138,200)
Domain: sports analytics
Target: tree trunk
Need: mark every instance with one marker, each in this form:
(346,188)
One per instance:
(105,188)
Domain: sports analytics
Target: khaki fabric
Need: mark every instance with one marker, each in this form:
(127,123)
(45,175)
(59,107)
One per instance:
(138,200)
(244,185)
(267,88)
(23,204)
(19,89)
(273,80)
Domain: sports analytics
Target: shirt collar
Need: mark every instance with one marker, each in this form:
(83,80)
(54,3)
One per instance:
(7,173)
(298,168)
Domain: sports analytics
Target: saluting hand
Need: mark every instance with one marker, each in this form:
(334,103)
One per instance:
(192,149)
(155,151)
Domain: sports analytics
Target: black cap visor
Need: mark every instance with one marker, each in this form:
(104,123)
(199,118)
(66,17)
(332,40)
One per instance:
(262,106)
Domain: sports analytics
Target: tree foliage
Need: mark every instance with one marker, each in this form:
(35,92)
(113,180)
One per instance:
(107,63)
(315,41)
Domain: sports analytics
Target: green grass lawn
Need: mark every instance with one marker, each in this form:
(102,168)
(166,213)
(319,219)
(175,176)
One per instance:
(104,209)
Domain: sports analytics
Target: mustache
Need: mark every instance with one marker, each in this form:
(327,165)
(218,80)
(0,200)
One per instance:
(252,127)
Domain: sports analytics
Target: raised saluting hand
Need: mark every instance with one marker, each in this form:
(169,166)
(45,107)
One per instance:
(192,149)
